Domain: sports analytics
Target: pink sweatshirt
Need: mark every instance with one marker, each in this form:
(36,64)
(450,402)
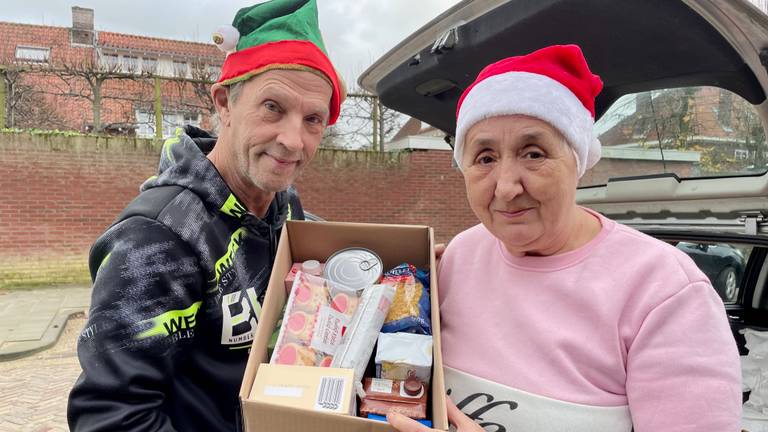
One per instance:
(623,332)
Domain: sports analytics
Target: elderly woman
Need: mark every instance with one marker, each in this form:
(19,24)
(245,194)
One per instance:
(555,318)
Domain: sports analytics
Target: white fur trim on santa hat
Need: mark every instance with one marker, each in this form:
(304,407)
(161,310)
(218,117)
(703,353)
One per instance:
(536,96)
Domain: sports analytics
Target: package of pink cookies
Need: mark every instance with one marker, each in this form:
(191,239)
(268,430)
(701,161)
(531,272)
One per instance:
(316,316)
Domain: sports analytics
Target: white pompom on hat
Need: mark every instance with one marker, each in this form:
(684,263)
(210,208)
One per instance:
(226,37)
(553,84)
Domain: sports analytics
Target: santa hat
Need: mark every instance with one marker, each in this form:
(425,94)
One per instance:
(278,34)
(553,84)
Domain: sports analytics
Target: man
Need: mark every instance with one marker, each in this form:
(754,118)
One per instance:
(179,277)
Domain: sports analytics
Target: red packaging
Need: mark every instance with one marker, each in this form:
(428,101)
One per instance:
(383,396)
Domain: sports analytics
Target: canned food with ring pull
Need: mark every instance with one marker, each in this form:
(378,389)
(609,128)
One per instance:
(354,267)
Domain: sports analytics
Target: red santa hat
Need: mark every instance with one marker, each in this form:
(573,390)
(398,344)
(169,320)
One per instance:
(553,84)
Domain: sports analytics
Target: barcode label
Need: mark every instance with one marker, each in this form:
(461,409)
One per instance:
(330,393)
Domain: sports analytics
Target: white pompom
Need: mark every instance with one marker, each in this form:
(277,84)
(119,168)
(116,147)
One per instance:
(226,37)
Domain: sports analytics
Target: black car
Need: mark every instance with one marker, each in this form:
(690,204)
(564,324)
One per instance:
(723,264)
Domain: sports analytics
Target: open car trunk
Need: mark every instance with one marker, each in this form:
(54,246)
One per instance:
(635,46)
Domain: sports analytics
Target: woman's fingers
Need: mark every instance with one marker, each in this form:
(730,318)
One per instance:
(455,417)
(405,424)
(439,249)
(459,419)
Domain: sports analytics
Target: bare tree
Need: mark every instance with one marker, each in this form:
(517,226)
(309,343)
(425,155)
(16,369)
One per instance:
(191,89)
(749,128)
(714,122)
(85,79)
(364,123)
(26,105)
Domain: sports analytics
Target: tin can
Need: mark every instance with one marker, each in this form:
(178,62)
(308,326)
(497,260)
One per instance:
(354,267)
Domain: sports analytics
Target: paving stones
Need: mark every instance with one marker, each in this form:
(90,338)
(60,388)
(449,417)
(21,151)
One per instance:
(34,389)
(31,320)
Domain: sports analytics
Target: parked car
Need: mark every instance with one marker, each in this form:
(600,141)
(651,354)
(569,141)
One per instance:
(705,192)
(722,263)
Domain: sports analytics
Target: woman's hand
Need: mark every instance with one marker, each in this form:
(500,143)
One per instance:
(455,417)
(439,249)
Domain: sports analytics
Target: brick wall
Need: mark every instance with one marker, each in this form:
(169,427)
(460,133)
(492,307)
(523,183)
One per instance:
(418,187)
(60,193)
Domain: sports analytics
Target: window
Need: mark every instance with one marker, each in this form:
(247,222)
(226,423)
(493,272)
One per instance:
(214,72)
(180,68)
(110,62)
(740,154)
(33,54)
(722,263)
(130,64)
(690,131)
(191,119)
(149,65)
(146,123)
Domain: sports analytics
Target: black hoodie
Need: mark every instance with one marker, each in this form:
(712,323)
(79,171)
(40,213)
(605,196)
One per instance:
(178,281)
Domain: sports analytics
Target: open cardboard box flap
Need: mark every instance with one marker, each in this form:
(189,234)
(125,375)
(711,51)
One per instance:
(300,241)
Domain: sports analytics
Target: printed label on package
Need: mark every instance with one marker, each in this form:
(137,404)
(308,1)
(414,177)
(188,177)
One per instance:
(329,330)
(381,385)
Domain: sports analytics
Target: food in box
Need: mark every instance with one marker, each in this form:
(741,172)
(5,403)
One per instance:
(315,319)
(398,354)
(306,387)
(382,396)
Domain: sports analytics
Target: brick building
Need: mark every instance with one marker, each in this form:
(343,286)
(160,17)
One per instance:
(720,126)
(50,73)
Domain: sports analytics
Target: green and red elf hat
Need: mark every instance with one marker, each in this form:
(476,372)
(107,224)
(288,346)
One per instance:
(278,34)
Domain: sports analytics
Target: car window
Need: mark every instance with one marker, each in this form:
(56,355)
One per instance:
(691,132)
(722,263)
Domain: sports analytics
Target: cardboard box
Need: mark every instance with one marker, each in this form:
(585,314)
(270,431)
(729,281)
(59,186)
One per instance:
(301,241)
(313,388)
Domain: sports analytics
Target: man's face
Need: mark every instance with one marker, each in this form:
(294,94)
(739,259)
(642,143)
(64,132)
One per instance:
(521,180)
(275,126)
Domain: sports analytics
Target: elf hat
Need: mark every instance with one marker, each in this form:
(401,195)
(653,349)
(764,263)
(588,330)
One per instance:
(278,34)
(553,84)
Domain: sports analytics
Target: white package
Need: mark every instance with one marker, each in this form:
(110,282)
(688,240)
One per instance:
(754,369)
(400,353)
(357,346)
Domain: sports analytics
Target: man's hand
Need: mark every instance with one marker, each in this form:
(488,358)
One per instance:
(455,417)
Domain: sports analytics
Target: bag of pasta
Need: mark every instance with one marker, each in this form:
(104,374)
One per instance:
(410,310)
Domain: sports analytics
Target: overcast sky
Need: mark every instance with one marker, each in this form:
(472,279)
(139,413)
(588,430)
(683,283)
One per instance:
(356,32)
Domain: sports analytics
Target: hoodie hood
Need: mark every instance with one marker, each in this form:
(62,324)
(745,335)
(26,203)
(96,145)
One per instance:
(183,162)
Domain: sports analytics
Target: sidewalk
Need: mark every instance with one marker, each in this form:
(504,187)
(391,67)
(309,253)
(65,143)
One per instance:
(32,320)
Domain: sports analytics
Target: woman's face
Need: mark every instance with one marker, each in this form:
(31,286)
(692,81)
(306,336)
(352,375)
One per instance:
(521,181)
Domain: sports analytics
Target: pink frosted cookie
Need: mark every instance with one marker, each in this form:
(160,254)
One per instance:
(308,296)
(300,325)
(295,354)
(345,303)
